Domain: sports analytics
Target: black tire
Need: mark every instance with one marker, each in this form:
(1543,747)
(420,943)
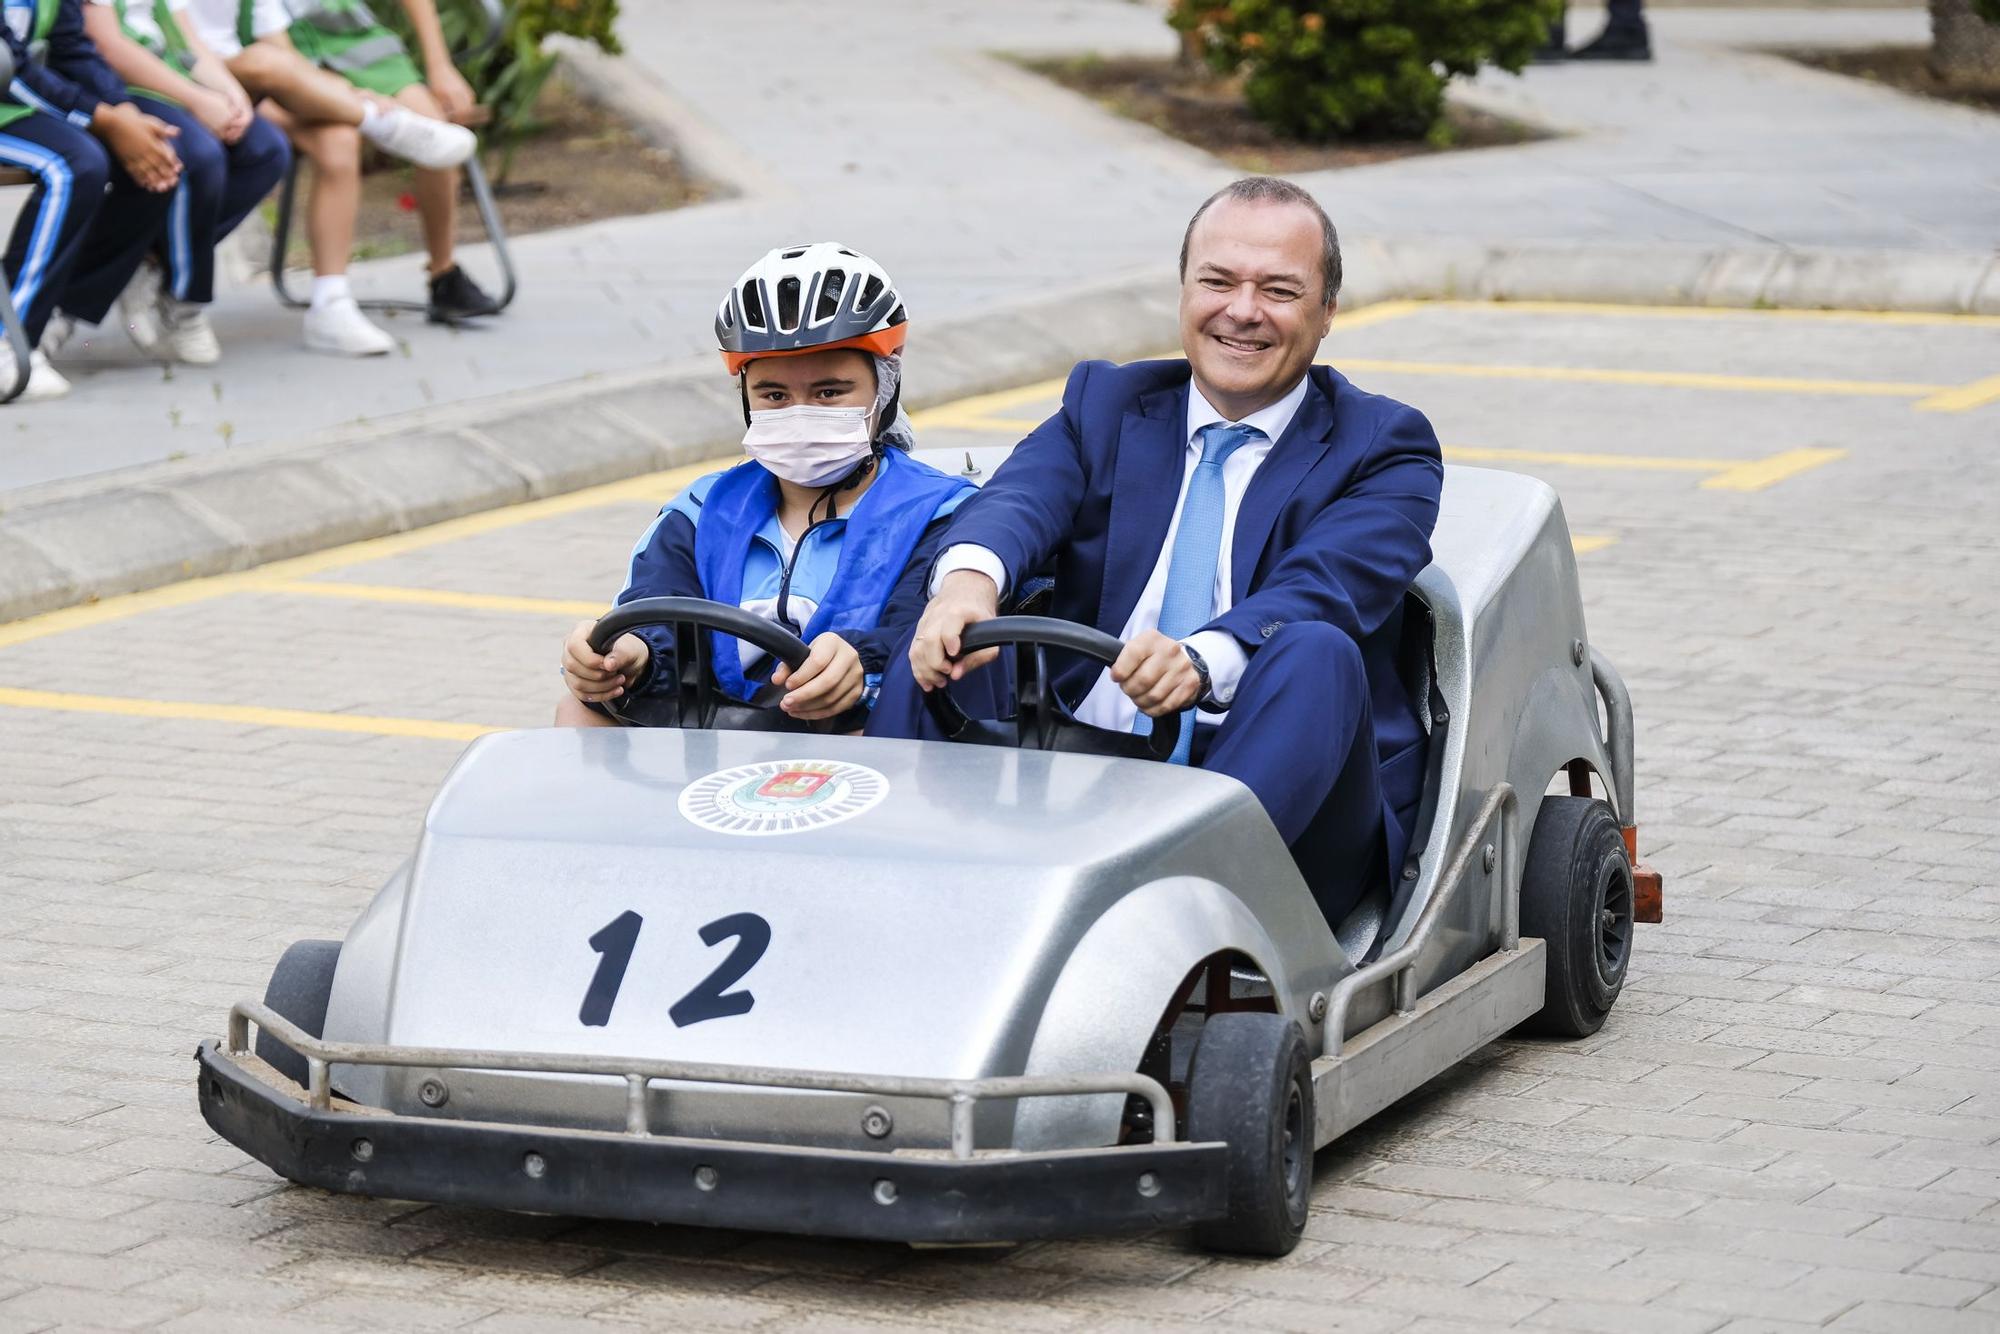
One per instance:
(1250,1086)
(300,987)
(1576,894)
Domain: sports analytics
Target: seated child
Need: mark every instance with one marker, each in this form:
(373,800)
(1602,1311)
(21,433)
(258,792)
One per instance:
(230,159)
(77,244)
(828,530)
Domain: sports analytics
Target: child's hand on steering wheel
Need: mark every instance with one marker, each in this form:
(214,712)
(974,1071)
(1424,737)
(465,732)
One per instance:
(828,683)
(596,677)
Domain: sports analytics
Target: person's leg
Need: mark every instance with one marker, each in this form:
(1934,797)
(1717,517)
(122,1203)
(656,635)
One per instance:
(187,246)
(125,231)
(334,150)
(436,191)
(70,168)
(573,712)
(257,162)
(1300,736)
(308,93)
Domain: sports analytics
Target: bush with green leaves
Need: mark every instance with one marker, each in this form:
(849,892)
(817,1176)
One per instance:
(507,71)
(1319,70)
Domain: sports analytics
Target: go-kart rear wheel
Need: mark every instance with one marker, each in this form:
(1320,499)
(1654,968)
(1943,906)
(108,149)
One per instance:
(1250,1086)
(1576,894)
(300,987)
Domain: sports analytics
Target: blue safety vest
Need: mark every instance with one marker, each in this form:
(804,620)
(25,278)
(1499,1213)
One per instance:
(878,535)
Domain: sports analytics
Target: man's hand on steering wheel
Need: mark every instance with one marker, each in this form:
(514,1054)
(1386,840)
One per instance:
(829,682)
(596,677)
(965,598)
(1156,674)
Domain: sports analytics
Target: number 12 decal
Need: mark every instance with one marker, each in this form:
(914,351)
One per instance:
(711,999)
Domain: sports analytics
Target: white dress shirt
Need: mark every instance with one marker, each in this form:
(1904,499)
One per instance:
(1106,705)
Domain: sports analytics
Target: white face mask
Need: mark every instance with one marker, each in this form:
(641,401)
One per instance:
(812,446)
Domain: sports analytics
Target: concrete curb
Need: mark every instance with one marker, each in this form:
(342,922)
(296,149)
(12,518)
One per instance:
(79,541)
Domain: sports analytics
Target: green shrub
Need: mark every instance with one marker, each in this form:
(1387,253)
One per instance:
(1318,70)
(507,75)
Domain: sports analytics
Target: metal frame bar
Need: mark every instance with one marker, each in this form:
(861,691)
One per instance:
(489,217)
(1400,968)
(17,339)
(961,1094)
(1618,731)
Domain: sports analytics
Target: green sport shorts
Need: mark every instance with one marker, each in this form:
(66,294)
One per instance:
(388,72)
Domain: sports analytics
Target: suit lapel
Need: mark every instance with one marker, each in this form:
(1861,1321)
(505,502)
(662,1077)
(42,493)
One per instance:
(1146,481)
(1296,453)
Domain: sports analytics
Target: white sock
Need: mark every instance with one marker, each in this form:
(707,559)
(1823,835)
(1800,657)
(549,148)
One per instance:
(328,288)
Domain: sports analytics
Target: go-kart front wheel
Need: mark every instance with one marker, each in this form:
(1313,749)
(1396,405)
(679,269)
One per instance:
(1250,1086)
(1576,894)
(300,987)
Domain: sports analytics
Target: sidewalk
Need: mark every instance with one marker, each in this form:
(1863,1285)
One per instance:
(976,183)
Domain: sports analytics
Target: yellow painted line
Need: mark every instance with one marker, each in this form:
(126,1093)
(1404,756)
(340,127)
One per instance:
(973,413)
(1762,384)
(253,716)
(1964,398)
(654,486)
(1758,474)
(432,597)
(1379,313)
(1569,459)
(1585,543)
(1904,317)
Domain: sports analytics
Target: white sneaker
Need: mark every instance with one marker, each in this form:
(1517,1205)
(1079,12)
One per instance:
(44,380)
(55,335)
(339,327)
(419,139)
(138,309)
(188,334)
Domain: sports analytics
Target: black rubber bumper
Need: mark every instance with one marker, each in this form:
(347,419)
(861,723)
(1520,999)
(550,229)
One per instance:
(715,1183)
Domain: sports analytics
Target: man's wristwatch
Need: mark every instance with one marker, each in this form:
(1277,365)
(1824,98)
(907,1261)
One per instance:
(1201,670)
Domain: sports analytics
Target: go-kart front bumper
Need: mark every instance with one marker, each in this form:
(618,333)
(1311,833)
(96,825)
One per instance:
(314,1137)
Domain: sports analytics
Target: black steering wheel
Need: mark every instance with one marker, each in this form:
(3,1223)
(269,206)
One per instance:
(696,700)
(1041,721)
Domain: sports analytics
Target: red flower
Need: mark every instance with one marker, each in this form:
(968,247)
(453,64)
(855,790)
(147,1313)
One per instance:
(406,202)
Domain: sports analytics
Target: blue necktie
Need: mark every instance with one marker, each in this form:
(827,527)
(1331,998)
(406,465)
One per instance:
(1189,600)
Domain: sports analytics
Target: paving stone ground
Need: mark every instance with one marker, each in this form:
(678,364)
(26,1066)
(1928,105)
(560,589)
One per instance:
(1791,1122)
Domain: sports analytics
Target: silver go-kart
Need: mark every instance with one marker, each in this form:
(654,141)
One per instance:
(732,973)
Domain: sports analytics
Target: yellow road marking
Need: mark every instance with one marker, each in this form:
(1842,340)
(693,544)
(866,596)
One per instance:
(1379,313)
(432,597)
(976,412)
(254,716)
(1758,474)
(1964,398)
(1764,384)
(1724,474)
(1905,317)
(1585,543)
(659,485)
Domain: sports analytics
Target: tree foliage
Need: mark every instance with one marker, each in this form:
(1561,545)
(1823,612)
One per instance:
(1318,70)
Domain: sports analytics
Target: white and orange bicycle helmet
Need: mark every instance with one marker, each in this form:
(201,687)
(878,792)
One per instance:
(810,298)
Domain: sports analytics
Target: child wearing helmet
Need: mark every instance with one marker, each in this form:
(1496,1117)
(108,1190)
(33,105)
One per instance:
(828,529)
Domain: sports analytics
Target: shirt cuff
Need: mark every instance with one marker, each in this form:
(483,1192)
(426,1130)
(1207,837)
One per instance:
(970,556)
(1226,661)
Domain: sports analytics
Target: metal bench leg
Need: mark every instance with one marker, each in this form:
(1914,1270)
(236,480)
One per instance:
(281,237)
(489,218)
(17,342)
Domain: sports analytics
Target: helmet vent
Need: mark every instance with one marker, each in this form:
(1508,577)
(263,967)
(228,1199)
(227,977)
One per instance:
(792,254)
(788,304)
(753,306)
(869,291)
(830,289)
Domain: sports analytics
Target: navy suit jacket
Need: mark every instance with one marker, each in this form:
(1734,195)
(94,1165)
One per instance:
(1335,525)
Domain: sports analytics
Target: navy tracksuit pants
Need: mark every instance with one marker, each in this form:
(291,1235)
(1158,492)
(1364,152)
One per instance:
(84,231)
(220,184)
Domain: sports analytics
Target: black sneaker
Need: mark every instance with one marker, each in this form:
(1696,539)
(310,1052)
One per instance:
(1616,44)
(455,297)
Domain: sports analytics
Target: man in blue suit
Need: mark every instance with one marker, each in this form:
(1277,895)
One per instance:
(1248,524)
